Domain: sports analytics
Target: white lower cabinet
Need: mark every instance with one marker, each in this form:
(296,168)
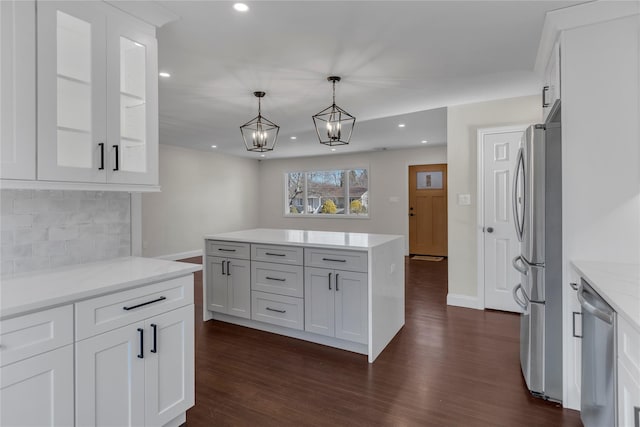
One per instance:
(38,391)
(139,374)
(628,375)
(229,286)
(336,303)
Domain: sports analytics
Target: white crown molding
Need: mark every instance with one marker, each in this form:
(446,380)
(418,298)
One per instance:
(150,12)
(578,16)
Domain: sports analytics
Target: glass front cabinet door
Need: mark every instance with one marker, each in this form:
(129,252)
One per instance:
(97,95)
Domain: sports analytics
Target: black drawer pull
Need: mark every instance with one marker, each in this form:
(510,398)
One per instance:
(226,250)
(223,273)
(337,276)
(334,260)
(276,278)
(117,158)
(101,156)
(277,311)
(272,254)
(141,354)
(144,303)
(575,335)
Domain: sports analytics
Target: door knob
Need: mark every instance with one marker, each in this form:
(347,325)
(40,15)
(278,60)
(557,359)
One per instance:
(411,214)
(489,229)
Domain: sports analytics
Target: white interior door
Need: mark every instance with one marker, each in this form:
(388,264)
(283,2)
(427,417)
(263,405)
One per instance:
(500,241)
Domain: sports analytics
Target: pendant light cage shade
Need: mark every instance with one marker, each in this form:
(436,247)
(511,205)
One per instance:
(259,134)
(334,125)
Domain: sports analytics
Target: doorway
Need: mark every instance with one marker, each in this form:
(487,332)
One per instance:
(497,241)
(428,210)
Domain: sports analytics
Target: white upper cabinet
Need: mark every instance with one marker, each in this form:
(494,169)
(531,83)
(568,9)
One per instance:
(97,95)
(551,87)
(17,90)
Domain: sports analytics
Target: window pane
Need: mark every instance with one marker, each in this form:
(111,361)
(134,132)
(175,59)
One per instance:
(358,192)
(429,180)
(295,198)
(325,192)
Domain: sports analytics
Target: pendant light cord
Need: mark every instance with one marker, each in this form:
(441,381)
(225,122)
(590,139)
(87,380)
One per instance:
(334,92)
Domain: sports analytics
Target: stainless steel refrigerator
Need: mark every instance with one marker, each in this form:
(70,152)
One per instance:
(537,210)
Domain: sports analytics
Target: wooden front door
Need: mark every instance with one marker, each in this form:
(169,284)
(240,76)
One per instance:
(428,209)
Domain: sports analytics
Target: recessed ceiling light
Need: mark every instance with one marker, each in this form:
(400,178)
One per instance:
(294,137)
(164,74)
(138,44)
(214,146)
(401,125)
(424,141)
(263,155)
(333,149)
(241,7)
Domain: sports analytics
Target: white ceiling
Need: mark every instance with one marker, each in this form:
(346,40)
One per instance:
(400,62)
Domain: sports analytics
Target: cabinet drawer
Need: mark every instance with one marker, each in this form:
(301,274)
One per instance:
(277,309)
(228,249)
(31,334)
(275,253)
(108,312)
(277,279)
(629,348)
(340,260)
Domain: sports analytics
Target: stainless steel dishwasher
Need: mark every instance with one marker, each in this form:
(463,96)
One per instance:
(599,358)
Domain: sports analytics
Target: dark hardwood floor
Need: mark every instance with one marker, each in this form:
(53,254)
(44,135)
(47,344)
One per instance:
(448,366)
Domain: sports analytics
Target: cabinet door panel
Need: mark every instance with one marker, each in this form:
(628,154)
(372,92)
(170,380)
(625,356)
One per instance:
(628,395)
(319,301)
(169,372)
(217,289)
(17,90)
(71,91)
(240,288)
(110,378)
(351,306)
(132,102)
(38,391)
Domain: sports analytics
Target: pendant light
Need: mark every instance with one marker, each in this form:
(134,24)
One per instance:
(334,125)
(259,134)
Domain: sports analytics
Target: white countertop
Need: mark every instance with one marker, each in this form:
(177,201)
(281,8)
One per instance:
(618,284)
(37,291)
(322,239)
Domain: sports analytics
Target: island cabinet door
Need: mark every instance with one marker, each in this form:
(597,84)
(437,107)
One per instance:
(217,284)
(110,378)
(319,304)
(239,292)
(169,366)
(351,306)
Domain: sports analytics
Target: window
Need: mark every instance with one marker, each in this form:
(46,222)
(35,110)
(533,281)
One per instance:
(343,192)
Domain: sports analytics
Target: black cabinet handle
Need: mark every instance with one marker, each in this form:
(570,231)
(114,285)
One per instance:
(229,268)
(144,303)
(141,354)
(272,254)
(276,279)
(337,276)
(223,273)
(574,286)
(545,89)
(277,311)
(574,323)
(226,250)
(636,415)
(330,280)
(117,158)
(334,260)
(101,156)
(155,338)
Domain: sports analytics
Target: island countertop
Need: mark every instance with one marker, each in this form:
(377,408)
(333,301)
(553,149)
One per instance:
(309,238)
(617,283)
(49,288)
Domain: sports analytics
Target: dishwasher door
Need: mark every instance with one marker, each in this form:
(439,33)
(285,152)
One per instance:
(598,400)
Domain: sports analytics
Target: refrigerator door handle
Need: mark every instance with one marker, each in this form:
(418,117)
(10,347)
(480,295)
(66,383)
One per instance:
(516,180)
(519,264)
(521,302)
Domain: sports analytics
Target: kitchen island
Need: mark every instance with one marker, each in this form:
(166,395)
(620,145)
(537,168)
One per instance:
(344,290)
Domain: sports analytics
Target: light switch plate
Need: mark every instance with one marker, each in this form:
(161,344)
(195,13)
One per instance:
(464,199)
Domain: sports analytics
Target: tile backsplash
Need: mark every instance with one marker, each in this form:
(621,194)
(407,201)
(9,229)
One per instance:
(49,228)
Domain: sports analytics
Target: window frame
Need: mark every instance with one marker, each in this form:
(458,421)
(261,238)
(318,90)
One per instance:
(304,213)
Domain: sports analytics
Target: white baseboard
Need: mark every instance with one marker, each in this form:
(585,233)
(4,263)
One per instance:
(181,255)
(463,301)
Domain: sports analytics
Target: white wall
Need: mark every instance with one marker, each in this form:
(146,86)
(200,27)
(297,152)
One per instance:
(463,121)
(201,193)
(388,183)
